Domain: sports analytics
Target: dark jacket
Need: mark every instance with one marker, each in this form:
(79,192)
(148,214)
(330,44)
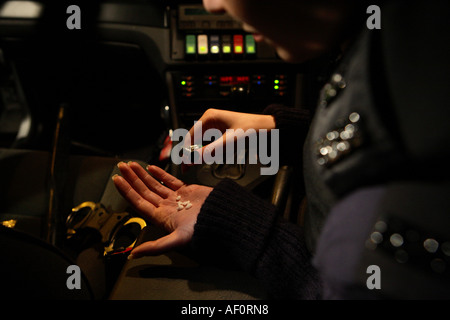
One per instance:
(375,170)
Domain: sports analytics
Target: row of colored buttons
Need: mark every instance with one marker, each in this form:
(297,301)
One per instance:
(215,45)
(229,83)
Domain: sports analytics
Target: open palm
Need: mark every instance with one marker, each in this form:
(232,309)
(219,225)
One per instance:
(159,198)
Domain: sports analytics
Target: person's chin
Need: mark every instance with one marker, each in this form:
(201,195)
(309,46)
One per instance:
(288,56)
(298,56)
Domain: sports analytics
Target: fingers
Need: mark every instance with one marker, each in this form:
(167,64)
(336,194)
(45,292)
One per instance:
(195,131)
(218,149)
(149,181)
(212,118)
(148,185)
(133,197)
(215,148)
(172,241)
(136,183)
(169,180)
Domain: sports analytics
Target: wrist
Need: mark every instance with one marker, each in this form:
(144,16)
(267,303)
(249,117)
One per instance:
(236,238)
(264,122)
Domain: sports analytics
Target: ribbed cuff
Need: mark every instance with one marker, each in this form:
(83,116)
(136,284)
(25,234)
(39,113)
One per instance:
(233,226)
(288,117)
(293,125)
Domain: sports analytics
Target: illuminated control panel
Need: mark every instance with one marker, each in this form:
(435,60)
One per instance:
(195,92)
(199,35)
(215,47)
(218,65)
(215,86)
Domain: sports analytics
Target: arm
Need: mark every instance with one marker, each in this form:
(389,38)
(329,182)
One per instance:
(226,224)
(236,227)
(293,125)
(228,123)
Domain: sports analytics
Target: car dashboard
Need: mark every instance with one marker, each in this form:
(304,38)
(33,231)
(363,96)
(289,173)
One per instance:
(132,73)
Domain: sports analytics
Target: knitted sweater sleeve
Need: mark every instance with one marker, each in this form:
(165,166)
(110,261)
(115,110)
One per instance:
(293,125)
(235,227)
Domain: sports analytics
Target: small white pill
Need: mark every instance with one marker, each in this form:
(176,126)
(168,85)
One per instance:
(178,198)
(188,205)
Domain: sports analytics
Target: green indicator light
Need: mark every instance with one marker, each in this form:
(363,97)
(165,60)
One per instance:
(276,87)
(183,83)
(250,46)
(226,49)
(276,81)
(190,44)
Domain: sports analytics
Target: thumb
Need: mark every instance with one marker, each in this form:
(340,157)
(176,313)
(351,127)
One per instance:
(162,245)
(215,150)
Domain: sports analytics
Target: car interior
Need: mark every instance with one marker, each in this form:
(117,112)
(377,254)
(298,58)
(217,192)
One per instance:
(75,102)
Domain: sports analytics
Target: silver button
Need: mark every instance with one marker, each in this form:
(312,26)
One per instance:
(431,245)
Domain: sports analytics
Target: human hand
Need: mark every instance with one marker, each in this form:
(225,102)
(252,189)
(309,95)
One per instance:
(228,123)
(158,204)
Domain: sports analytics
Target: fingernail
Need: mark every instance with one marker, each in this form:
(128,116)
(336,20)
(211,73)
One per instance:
(133,257)
(114,176)
(121,162)
(129,162)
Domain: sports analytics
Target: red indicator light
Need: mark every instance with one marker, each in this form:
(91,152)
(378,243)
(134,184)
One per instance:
(233,80)
(226,79)
(242,79)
